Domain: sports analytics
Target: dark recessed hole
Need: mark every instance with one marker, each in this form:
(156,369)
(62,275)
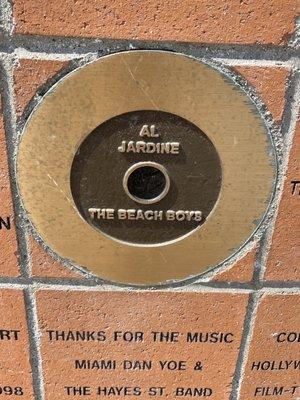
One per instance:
(146,183)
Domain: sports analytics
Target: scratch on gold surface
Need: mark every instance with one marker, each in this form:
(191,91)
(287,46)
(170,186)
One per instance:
(62,192)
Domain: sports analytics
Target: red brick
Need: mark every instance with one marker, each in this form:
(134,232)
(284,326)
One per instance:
(145,312)
(270,83)
(29,76)
(277,316)
(283,261)
(205,21)
(8,241)
(43,265)
(15,370)
(241,271)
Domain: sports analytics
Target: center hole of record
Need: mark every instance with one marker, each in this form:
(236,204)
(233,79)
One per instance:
(146,182)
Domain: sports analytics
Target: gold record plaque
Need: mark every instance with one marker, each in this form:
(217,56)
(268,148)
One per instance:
(146,167)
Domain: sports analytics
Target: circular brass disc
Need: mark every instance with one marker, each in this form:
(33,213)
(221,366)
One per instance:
(145,80)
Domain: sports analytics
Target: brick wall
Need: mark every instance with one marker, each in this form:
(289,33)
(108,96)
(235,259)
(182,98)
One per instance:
(255,295)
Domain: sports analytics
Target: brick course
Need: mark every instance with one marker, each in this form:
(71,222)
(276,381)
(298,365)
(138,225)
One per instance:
(264,22)
(8,242)
(273,360)
(15,371)
(283,260)
(180,312)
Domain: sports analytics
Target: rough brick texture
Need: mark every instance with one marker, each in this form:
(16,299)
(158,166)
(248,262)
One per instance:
(195,21)
(273,361)
(283,262)
(8,242)
(15,371)
(29,76)
(270,83)
(180,312)
(240,271)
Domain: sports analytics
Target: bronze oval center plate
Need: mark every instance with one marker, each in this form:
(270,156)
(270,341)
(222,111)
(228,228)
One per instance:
(171,179)
(146,167)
